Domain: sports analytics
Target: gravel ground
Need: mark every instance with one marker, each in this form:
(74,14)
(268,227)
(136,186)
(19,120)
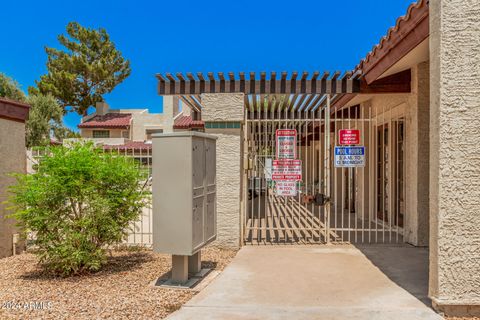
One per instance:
(122,290)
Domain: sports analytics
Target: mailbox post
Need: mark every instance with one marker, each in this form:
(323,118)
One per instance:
(184,198)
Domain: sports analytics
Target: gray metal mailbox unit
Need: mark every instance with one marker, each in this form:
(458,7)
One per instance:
(184,198)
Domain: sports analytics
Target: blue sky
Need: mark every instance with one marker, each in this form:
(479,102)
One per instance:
(182,36)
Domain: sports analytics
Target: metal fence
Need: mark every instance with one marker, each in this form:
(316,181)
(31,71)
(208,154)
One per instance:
(366,203)
(140,231)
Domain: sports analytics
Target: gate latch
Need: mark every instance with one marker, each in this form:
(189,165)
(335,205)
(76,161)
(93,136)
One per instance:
(321,199)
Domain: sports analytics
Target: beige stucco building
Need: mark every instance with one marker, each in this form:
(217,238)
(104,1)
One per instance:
(13,160)
(414,100)
(120,126)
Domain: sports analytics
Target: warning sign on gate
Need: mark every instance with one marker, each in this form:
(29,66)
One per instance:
(350,157)
(349,136)
(286,143)
(287,169)
(286,188)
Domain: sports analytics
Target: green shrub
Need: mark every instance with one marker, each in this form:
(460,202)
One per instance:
(80,201)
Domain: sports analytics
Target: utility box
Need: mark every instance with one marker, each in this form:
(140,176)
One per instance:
(184,192)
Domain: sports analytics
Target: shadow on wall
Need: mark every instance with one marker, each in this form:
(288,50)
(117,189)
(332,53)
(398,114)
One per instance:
(407,266)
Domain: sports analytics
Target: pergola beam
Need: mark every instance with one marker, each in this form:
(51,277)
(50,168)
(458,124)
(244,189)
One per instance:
(188,85)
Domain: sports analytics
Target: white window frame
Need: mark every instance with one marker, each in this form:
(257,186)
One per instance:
(100,131)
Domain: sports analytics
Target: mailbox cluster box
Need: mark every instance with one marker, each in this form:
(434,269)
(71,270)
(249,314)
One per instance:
(184,192)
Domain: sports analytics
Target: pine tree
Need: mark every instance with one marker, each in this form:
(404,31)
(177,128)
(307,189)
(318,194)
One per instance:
(88,67)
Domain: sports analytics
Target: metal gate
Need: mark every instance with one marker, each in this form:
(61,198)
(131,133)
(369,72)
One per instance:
(329,203)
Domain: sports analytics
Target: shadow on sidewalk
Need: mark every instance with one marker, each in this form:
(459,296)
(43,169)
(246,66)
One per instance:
(405,265)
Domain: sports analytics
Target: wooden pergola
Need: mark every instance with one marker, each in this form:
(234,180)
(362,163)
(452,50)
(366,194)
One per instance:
(292,92)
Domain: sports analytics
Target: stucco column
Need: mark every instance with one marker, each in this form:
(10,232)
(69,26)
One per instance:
(170,110)
(417,155)
(13,160)
(223,115)
(455,156)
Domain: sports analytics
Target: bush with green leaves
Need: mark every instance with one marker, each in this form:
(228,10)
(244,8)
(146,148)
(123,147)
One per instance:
(80,201)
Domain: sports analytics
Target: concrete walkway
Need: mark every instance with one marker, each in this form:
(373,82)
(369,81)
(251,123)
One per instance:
(317,282)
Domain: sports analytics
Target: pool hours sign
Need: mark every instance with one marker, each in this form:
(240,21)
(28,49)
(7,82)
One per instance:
(349,157)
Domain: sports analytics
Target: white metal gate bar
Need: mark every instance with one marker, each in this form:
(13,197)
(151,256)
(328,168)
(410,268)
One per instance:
(367,204)
(140,232)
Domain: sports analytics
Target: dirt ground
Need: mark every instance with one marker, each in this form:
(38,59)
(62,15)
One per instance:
(122,290)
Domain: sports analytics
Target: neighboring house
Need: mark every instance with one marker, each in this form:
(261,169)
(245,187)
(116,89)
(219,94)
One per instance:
(120,126)
(129,128)
(13,160)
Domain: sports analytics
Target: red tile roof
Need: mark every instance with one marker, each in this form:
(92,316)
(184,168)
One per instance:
(186,122)
(409,31)
(413,24)
(129,145)
(54,142)
(110,120)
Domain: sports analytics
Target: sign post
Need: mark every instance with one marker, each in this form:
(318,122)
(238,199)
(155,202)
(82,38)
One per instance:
(327,169)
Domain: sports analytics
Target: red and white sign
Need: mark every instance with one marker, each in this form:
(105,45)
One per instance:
(286,143)
(286,188)
(349,136)
(287,170)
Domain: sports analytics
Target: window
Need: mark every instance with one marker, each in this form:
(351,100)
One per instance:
(222,125)
(101,134)
(126,134)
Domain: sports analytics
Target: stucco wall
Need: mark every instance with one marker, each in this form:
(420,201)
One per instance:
(221,107)
(455,155)
(140,122)
(13,159)
(228,187)
(171,108)
(422,123)
(417,157)
(228,107)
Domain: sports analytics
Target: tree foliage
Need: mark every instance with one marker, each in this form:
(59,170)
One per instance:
(45,117)
(79,201)
(88,67)
(66,133)
(10,89)
(44,120)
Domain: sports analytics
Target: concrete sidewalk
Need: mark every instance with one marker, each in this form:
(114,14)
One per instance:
(317,282)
